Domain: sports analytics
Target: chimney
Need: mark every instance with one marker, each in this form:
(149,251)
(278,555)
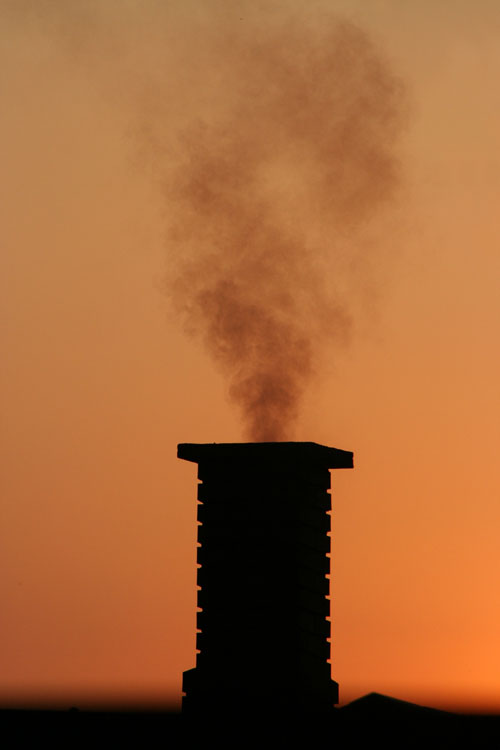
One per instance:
(263,630)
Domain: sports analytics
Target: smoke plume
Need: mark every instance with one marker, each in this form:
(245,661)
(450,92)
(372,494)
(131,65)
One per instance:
(267,200)
(273,132)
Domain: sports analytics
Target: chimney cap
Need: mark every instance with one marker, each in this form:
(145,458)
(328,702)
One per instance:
(330,458)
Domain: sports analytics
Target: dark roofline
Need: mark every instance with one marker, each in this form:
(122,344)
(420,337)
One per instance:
(330,458)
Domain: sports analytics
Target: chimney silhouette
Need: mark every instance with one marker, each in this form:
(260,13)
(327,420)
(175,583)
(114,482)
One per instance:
(263,635)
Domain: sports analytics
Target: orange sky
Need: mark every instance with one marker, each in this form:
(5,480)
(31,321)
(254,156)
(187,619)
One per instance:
(100,382)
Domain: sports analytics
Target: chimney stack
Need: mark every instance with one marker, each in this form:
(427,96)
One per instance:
(263,630)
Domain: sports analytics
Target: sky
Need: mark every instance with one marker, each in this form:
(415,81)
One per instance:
(113,113)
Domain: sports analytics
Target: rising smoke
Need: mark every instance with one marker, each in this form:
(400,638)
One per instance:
(304,148)
(284,148)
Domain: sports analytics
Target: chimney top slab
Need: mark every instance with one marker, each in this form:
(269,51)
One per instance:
(279,452)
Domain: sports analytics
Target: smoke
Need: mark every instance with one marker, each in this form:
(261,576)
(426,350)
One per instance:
(267,201)
(273,134)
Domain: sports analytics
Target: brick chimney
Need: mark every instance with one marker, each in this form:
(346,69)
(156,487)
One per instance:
(263,630)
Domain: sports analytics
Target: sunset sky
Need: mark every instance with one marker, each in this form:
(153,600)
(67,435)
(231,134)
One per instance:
(110,110)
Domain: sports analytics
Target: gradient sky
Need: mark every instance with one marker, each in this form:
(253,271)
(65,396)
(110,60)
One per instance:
(100,381)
